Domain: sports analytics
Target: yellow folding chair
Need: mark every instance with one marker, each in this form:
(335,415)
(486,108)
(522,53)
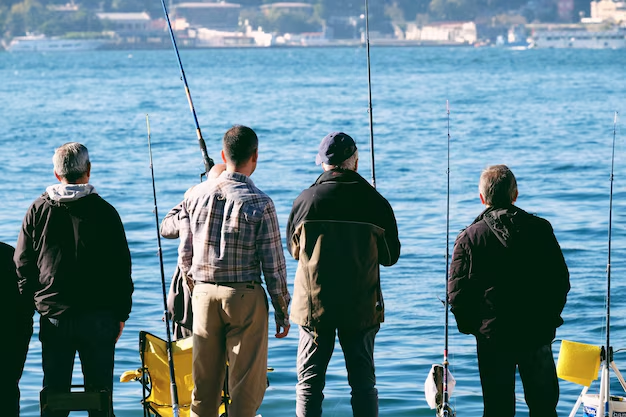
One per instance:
(154,375)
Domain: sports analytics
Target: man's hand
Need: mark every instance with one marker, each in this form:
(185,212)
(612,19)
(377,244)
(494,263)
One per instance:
(120,333)
(285,330)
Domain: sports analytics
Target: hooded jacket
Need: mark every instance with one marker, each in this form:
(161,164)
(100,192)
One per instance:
(72,255)
(508,278)
(340,229)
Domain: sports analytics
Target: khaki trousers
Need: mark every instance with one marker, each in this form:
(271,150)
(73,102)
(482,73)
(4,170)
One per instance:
(229,324)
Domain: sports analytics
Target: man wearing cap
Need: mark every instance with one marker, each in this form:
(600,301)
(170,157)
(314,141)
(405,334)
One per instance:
(340,230)
(508,285)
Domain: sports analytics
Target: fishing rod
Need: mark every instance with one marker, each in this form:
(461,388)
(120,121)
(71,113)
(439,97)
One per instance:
(170,358)
(608,354)
(369,91)
(208,161)
(379,292)
(445,406)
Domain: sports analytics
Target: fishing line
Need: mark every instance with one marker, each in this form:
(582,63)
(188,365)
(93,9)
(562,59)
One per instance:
(208,162)
(170,358)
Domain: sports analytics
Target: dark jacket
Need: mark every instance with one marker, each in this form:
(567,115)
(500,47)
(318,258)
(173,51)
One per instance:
(21,308)
(73,257)
(508,278)
(340,230)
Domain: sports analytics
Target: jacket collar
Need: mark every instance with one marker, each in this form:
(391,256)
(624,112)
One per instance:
(504,222)
(339,175)
(497,211)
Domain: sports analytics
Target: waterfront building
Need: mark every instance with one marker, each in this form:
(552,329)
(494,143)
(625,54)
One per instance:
(607,10)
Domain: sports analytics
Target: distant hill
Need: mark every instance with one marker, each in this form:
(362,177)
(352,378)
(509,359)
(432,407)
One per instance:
(54,17)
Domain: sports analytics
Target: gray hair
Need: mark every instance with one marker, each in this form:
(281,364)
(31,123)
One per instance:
(71,161)
(349,164)
(498,186)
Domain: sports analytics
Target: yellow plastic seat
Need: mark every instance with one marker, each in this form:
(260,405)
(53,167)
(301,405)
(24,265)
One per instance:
(155,375)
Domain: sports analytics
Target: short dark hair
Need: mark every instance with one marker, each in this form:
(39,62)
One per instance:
(240,143)
(498,186)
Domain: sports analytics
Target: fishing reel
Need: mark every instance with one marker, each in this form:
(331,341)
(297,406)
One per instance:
(446,411)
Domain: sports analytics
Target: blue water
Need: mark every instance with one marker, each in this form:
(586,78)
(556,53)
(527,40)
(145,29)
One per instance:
(548,114)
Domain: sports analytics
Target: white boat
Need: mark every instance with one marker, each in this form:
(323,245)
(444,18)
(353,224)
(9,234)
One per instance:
(42,43)
(574,38)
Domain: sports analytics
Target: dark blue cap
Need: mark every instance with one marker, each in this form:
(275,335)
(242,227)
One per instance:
(335,148)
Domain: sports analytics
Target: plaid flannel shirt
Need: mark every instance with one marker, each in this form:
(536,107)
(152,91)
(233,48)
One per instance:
(229,233)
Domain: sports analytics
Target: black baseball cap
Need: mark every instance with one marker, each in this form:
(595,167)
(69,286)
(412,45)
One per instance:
(335,148)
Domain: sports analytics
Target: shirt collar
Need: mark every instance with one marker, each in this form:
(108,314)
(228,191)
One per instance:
(236,176)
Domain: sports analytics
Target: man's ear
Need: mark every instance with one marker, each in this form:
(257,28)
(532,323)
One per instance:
(482,199)
(515,198)
(255,157)
(57,176)
(223,156)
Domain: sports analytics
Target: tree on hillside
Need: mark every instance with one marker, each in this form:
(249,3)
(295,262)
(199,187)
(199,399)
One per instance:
(329,8)
(24,17)
(82,21)
(582,6)
(453,9)
(8,3)
(289,22)
(4,13)
(411,8)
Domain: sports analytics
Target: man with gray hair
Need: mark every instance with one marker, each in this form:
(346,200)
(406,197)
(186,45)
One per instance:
(508,285)
(72,258)
(340,230)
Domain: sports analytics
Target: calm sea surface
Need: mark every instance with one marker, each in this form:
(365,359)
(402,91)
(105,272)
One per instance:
(548,114)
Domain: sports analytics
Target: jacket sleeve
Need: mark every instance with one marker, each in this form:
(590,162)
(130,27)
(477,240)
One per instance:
(292,238)
(462,294)
(557,275)
(185,246)
(26,259)
(169,225)
(20,306)
(122,271)
(270,252)
(389,250)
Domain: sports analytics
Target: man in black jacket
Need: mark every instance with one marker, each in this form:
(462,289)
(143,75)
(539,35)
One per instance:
(19,329)
(340,230)
(508,285)
(72,257)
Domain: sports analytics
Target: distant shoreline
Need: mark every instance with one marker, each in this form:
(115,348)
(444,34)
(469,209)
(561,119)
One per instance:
(165,45)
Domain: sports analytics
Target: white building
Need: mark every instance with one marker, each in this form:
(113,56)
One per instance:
(125,23)
(445,32)
(607,10)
